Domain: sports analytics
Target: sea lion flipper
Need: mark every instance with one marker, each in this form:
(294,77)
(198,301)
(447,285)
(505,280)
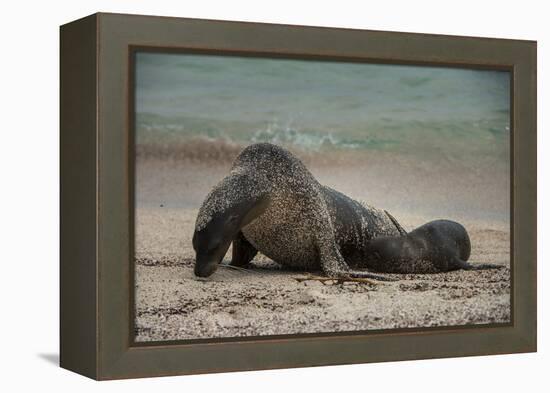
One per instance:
(486,266)
(334,265)
(458,263)
(243,251)
(331,260)
(401,230)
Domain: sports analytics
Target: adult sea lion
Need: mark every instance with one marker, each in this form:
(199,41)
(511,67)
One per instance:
(438,246)
(269,202)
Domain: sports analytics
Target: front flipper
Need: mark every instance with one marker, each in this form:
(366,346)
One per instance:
(243,251)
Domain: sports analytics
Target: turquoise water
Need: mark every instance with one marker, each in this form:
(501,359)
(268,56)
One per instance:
(317,105)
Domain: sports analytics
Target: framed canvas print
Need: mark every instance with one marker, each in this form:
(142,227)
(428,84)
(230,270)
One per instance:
(241,196)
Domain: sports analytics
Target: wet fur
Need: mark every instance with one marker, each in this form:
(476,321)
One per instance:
(438,246)
(271,203)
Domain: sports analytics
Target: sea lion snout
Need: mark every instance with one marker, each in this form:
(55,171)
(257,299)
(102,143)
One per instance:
(205,267)
(210,246)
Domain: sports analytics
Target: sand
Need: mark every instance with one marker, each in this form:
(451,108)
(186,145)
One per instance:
(269,300)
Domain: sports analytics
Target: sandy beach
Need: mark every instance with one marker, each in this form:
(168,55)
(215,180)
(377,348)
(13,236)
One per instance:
(268,300)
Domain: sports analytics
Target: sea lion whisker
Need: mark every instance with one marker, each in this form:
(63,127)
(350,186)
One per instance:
(238,268)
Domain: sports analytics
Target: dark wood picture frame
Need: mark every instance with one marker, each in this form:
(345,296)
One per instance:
(97,156)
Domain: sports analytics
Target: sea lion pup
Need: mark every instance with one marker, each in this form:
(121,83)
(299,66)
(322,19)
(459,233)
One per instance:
(438,246)
(269,202)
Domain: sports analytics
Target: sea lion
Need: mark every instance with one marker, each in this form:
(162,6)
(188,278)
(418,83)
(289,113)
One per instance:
(269,202)
(438,246)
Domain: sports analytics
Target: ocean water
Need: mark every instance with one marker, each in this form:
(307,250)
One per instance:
(313,105)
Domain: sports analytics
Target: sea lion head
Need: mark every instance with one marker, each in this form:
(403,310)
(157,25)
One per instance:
(230,206)
(212,241)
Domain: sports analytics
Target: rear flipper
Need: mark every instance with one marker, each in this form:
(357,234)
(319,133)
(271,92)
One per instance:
(402,232)
(333,265)
(460,264)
